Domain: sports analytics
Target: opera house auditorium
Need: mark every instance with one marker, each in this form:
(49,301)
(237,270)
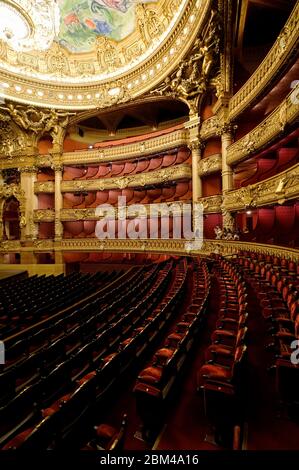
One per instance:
(149,225)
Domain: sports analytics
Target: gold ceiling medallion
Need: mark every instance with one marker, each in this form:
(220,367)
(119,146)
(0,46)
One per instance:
(29,25)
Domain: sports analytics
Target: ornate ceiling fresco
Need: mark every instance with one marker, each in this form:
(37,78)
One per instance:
(81,23)
(106,52)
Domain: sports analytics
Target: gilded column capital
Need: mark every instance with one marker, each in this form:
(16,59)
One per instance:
(227,128)
(28,169)
(57,167)
(197,144)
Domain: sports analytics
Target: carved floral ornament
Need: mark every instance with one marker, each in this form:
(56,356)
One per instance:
(60,77)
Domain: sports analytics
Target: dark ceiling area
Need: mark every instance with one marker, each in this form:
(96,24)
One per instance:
(265,19)
(150,114)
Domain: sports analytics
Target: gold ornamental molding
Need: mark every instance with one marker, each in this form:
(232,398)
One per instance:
(281,53)
(268,130)
(210,128)
(10,246)
(231,248)
(210,164)
(114,72)
(44,187)
(43,215)
(275,190)
(128,151)
(176,172)
(176,247)
(211,204)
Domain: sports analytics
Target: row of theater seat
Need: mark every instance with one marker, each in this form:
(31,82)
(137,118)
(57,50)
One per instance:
(220,377)
(64,410)
(277,288)
(250,260)
(156,380)
(25,302)
(275,282)
(128,168)
(35,355)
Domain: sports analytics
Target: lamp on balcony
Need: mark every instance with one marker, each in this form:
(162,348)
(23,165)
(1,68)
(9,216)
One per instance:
(28,25)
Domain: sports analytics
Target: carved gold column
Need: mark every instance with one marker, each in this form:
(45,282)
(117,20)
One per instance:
(29,230)
(58,202)
(227,172)
(196,147)
(227,175)
(1,224)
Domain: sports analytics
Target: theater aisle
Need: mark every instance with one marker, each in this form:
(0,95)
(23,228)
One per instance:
(187,425)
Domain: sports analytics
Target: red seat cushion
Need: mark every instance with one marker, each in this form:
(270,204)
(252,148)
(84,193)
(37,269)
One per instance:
(151,374)
(86,377)
(105,431)
(17,440)
(215,372)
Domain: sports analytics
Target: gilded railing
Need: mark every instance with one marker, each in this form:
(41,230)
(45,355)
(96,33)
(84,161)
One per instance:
(209,128)
(175,208)
(44,187)
(173,173)
(127,151)
(177,247)
(274,190)
(210,164)
(280,54)
(270,128)
(176,172)
(211,204)
(43,215)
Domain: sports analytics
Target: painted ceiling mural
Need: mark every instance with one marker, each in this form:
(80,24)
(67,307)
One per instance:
(81,22)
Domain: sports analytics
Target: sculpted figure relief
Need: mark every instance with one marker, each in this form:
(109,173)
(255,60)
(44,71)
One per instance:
(192,76)
(38,122)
